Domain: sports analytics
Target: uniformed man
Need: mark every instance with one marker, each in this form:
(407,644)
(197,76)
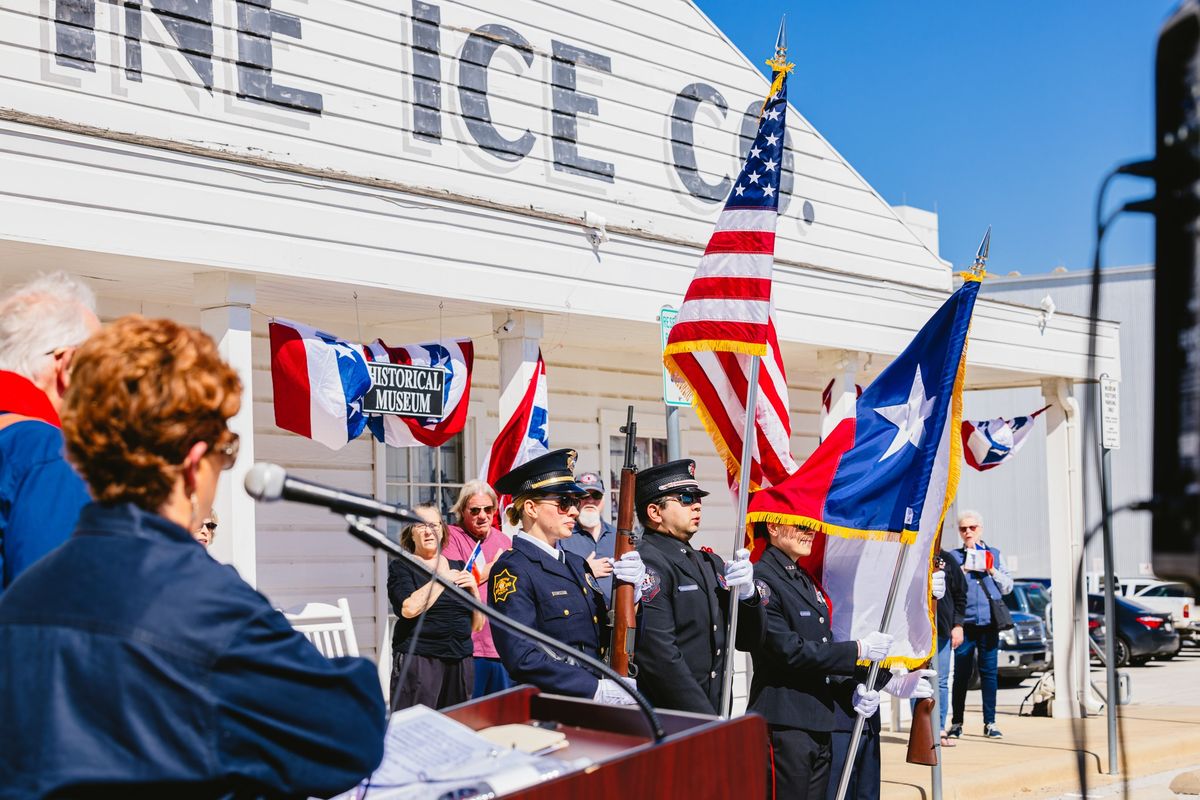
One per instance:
(684,620)
(551,590)
(796,664)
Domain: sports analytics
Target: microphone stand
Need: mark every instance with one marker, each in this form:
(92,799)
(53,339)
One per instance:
(362,530)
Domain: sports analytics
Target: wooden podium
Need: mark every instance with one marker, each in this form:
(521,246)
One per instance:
(701,757)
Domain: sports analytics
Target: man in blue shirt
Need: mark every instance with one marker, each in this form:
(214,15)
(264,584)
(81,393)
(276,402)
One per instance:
(595,538)
(42,323)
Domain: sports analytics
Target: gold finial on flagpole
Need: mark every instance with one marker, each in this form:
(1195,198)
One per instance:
(778,63)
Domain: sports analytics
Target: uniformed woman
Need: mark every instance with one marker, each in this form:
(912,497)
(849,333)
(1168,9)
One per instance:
(551,590)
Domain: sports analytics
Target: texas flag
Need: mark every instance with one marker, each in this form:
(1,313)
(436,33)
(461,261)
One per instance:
(991,442)
(319,381)
(883,480)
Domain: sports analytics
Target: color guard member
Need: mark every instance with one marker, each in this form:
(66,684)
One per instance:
(684,619)
(549,589)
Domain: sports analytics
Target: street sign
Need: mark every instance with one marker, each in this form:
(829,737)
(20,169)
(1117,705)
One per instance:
(1110,413)
(404,390)
(671,394)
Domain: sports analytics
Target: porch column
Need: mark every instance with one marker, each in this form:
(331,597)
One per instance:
(842,366)
(518,354)
(1064,490)
(225,299)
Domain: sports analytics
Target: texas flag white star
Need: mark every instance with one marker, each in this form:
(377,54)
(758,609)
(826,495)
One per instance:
(909,417)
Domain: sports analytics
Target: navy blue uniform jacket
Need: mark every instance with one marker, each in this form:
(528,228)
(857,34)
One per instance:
(137,666)
(556,598)
(683,624)
(793,684)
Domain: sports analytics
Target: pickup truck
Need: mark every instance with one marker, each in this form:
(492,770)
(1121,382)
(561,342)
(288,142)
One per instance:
(1166,597)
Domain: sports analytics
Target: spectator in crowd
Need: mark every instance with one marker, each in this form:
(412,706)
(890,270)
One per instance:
(987,582)
(207,531)
(951,613)
(477,543)
(442,671)
(134,662)
(595,538)
(42,324)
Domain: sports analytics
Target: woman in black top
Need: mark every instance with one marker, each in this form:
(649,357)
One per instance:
(442,671)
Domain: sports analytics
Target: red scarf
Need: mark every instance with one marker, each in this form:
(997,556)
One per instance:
(18,395)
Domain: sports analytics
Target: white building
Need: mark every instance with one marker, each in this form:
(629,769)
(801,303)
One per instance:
(1013,497)
(420,170)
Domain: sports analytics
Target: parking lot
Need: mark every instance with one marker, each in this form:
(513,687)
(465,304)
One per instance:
(1158,683)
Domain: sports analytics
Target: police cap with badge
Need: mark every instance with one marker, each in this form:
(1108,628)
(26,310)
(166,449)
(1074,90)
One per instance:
(552,473)
(673,477)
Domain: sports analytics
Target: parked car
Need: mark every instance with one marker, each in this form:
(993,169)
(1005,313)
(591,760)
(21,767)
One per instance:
(1024,650)
(1029,597)
(1141,634)
(1168,597)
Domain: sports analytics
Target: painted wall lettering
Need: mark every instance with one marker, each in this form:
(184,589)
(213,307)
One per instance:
(427,71)
(75,34)
(257,24)
(473,64)
(683,151)
(189,24)
(568,103)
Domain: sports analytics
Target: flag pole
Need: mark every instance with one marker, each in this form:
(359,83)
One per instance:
(739,534)
(977,269)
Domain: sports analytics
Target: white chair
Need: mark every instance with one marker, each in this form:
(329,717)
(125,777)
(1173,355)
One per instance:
(328,627)
(385,658)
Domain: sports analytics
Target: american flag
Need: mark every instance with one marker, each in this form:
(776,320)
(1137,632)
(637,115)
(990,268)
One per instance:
(726,316)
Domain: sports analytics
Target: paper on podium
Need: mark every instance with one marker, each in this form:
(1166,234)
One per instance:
(427,755)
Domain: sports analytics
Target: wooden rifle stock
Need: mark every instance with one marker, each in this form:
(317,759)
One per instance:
(623,613)
(922,747)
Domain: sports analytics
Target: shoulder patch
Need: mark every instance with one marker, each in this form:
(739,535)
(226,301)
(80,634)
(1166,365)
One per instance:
(503,585)
(764,591)
(651,585)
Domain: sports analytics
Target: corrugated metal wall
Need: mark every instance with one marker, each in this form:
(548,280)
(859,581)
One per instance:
(1013,497)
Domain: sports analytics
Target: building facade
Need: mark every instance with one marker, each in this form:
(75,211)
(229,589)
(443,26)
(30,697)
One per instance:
(531,174)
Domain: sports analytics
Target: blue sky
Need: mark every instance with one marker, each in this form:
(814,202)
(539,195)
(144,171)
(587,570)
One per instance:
(1006,114)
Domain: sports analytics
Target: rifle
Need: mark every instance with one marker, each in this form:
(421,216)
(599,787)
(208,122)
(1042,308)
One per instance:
(623,615)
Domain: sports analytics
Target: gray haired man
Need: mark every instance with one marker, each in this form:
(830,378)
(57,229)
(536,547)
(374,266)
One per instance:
(42,324)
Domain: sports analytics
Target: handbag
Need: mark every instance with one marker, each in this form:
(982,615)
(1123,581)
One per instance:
(1001,617)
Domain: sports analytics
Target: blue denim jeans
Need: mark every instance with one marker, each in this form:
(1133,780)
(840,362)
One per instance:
(982,643)
(943,670)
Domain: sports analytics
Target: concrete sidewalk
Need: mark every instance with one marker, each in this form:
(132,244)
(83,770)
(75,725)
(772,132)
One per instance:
(1036,758)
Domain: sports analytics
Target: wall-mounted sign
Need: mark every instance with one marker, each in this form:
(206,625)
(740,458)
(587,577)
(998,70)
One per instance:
(671,394)
(1110,413)
(405,391)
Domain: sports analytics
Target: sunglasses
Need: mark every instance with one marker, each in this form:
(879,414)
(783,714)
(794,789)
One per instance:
(426,526)
(965,528)
(686,498)
(212,526)
(473,510)
(564,502)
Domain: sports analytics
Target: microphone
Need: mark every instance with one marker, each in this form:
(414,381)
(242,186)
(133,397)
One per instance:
(269,482)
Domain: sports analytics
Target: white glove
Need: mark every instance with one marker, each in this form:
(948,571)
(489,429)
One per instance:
(630,569)
(906,684)
(866,702)
(924,689)
(610,692)
(938,585)
(740,573)
(875,646)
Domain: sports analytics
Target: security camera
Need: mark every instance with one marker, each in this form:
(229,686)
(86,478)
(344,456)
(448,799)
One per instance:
(1047,306)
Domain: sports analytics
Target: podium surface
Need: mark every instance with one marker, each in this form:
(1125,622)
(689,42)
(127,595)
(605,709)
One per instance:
(700,757)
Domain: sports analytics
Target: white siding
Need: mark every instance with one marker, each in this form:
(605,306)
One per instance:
(359,58)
